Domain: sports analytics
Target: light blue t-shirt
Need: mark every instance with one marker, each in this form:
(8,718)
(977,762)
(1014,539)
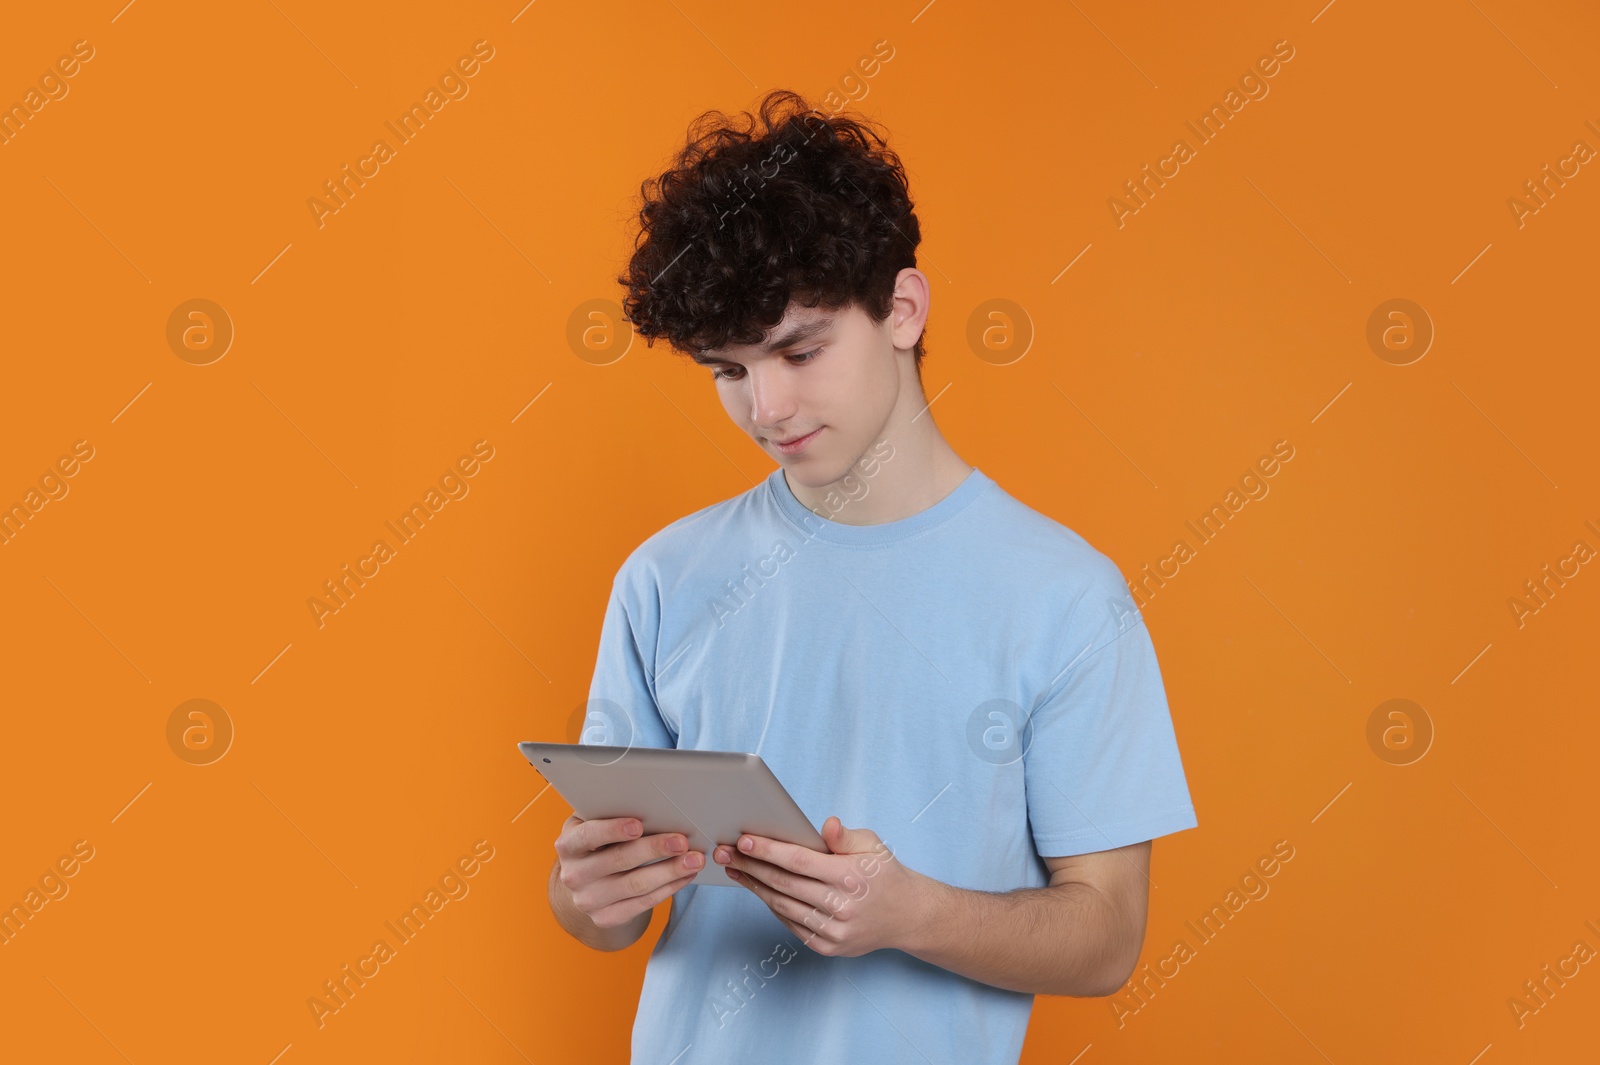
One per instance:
(973,683)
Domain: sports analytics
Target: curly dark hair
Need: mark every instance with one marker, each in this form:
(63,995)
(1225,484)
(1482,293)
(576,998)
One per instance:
(811,206)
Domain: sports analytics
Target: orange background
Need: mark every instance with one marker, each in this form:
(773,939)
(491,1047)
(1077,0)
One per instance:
(371,352)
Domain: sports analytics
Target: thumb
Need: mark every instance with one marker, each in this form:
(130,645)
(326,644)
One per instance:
(841,840)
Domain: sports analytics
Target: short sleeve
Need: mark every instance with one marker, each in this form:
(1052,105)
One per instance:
(622,709)
(1101,766)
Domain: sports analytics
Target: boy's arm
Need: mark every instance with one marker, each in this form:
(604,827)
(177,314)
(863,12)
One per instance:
(1081,935)
(621,711)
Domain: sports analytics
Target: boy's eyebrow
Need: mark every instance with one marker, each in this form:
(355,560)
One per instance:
(796,335)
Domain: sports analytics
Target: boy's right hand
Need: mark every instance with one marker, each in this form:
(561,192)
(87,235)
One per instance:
(603,867)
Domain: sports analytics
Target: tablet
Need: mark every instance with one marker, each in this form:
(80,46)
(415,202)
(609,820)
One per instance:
(710,796)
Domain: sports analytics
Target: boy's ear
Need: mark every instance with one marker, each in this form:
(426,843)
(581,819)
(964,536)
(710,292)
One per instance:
(909,311)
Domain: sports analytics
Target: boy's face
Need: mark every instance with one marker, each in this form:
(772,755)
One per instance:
(830,377)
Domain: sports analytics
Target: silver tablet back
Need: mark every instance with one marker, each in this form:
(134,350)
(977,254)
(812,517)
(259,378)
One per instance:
(709,796)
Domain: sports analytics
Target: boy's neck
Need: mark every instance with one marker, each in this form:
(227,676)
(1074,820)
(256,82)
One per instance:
(921,470)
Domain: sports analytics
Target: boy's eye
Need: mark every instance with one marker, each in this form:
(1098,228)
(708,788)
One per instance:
(732,373)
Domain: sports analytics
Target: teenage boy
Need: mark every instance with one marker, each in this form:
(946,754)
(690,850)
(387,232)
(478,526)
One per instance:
(906,645)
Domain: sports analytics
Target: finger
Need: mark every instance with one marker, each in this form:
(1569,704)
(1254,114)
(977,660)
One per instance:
(598,833)
(814,935)
(790,856)
(579,837)
(805,935)
(784,905)
(620,857)
(644,880)
(804,889)
(563,839)
(619,912)
(841,840)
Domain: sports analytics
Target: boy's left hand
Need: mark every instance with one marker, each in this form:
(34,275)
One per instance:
(853,901)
